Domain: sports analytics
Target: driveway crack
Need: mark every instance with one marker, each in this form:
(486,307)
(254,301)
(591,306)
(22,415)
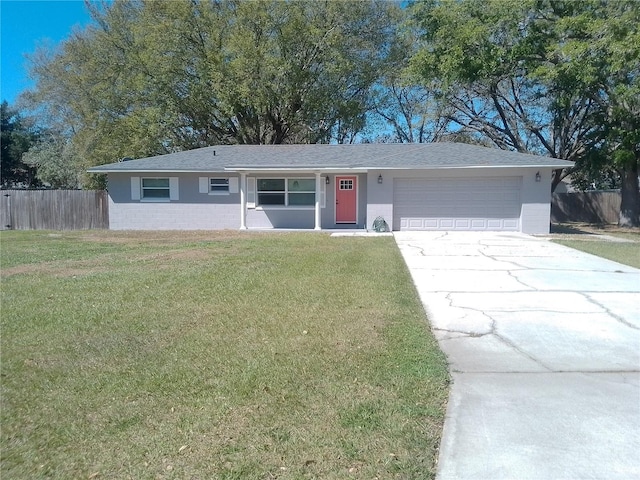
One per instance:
(522,352)
(420,249)
(609,312)
(493,331)
(515,277)
(482,252)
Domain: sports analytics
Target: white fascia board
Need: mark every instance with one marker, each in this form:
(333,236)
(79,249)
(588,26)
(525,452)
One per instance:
(286,170)
(328,169)
(463,167)
(152,171)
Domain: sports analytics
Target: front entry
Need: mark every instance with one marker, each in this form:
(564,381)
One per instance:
(346,199)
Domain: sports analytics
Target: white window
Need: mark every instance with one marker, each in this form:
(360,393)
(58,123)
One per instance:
(156,189)
(286,191)
(219,185)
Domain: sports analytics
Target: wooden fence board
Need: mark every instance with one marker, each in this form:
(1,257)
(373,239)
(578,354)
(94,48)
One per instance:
(585,207)
(53,209)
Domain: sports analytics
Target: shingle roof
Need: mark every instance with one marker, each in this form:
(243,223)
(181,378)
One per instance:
(326,157)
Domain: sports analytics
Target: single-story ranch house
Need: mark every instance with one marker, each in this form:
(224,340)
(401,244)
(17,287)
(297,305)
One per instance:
(431,186)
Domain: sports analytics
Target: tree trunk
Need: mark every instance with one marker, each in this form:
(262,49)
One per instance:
(630,192)
(555,180)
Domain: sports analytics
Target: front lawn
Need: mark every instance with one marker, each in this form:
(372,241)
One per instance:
(587,239)
(214,355)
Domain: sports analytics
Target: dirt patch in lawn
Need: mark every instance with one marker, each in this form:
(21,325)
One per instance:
(162,237)
(594,232)
(78,268)
(54,269)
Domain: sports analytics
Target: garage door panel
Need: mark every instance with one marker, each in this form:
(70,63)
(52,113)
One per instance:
(457,203)
(511,224)
(414,223)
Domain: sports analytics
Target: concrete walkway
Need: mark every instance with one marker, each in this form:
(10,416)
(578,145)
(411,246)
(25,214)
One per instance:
(544,349)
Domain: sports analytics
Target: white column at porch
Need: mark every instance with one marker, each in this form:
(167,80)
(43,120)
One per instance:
(317,210)
(243,201)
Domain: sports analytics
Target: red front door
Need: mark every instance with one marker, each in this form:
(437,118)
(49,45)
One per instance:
(346,200)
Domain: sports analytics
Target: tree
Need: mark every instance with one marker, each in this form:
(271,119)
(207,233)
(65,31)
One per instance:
(54,160)
(484,55)
(411,111)
(548,77)
(601,48)
(17,137)
(400,102)
(155,77)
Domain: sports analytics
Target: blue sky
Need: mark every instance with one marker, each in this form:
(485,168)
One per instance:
(24,24)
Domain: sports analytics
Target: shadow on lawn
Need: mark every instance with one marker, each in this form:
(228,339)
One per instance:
(576,229)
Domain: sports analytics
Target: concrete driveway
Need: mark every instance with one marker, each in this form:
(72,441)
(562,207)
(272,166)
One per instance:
(544,349)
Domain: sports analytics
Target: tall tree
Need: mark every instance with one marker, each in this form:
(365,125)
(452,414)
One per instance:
(409,110)
(540,76)
(17,138)
(601,49)
(55,162)
(152,77)
(484,56)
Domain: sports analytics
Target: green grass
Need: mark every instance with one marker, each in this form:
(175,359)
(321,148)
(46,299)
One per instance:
(214,355)
(627,253)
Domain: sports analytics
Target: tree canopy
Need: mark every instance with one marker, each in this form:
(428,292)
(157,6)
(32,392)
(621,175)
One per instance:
(155,77)
(559,78)
(17,138)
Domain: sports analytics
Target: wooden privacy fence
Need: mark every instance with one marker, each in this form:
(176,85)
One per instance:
(585,207)
(53,209)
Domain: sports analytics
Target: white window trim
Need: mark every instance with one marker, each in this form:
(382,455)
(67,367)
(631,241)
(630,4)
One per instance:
(252,193)
(261,208)
(137,192)
(135,188)
(219,192)
(286,192)
(323,194)
(204,185)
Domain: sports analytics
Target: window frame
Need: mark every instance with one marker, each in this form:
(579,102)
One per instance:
(144,198)
(286,192)
(218,192)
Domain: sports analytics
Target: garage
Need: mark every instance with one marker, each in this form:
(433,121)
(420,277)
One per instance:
(481,203)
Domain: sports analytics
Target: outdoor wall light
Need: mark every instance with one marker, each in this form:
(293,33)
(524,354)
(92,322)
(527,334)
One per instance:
(326,179)
(379,178)
(538,177)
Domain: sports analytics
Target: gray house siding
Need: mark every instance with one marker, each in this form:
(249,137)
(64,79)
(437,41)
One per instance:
(534,195)
(200,211)
(192,210)
(536,202)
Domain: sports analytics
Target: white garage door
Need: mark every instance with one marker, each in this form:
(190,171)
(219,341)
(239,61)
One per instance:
(457,203)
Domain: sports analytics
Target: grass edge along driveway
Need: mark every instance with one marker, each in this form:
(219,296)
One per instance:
(215,355)
(627,253)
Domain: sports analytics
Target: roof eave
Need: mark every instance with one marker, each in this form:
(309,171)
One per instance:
(275,169)
(325,169)
(151,170)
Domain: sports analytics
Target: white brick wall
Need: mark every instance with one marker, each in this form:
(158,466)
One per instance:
(173,216)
